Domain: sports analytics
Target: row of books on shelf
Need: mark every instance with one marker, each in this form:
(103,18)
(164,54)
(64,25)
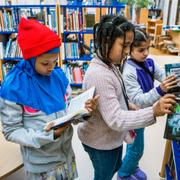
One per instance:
(76,20)
(6,67)
(9,18)
(75,73)
(171,28)
(37,2)
(75,50)
(11,50)
(34,2)
(71,50)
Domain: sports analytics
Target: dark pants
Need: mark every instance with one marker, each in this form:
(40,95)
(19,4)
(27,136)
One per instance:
(105,162)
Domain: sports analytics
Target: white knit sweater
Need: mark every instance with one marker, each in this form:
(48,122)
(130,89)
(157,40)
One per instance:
(108,125)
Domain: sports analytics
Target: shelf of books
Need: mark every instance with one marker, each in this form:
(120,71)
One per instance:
(10,15)
(77,20)
(73,21)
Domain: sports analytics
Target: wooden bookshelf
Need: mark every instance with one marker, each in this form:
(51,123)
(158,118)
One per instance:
(154,29)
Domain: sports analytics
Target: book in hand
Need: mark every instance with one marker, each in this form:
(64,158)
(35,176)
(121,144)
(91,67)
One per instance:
(75,110)
(172,129)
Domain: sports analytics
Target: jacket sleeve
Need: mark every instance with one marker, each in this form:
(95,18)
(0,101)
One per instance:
(111,107)
(159,73)
(14,130)
(134,91)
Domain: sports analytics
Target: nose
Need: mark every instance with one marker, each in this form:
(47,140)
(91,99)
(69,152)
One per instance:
(146,52)
(126,50)
(51,67)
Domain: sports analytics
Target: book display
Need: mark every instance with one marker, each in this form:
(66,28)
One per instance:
(172,130)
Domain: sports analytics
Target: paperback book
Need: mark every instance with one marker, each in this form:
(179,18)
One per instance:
(172,129)
(75,110)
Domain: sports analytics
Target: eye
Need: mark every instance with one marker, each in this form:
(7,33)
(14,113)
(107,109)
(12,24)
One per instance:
(141,50)
(45,64)
(55,61)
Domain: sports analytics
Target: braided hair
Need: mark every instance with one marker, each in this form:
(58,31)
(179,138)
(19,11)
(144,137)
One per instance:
(106,32)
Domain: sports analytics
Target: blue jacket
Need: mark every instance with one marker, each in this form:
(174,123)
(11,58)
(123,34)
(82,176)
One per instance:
(140,84)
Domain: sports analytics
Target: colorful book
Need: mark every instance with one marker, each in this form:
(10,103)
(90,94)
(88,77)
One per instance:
(172,129)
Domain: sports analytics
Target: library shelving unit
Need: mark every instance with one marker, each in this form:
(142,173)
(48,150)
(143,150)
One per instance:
(154,29)
(76,21)
(9,19)
(174,32)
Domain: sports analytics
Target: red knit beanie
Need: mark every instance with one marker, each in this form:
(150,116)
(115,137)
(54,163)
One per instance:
(35,38)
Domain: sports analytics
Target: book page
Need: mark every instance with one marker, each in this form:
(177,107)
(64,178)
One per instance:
(76,108)
(78,102)
(174,69)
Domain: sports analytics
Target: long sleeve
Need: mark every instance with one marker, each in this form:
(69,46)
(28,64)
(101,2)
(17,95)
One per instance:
(111,107)
(159,73)
(15,131)
(108,125)
(134,90)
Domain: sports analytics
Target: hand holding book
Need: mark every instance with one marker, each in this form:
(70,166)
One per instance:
(165,105)
(80,106)
(169,83)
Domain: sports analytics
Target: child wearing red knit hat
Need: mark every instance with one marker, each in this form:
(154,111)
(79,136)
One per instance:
(33,94)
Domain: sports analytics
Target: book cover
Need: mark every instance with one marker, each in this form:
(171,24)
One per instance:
(75,110)
(172,129)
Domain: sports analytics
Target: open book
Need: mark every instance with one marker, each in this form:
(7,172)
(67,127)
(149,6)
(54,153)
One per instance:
(172,129)
(75,110)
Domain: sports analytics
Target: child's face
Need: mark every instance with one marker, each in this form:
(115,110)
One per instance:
(120,49)
(45,63)
(141,52)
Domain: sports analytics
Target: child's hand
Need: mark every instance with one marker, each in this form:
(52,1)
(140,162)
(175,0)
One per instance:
(49,126)
(165,105)
(59,131)
(168,83)
(91,104)
(132,106)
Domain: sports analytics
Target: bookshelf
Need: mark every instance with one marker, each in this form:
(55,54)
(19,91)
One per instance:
(10,15)
(154,29)
(77,20)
